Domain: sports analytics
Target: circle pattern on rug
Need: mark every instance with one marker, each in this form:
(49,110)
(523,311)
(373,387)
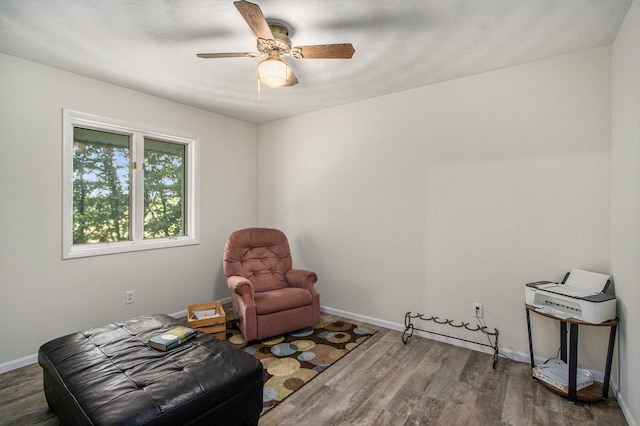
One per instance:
(266,362)
(339,337)
(279,387)
(284,349)
(339,326)
(306,356)
(259,351)
(302,333)
(304,345)
(237,339)
(272,340)
(283,366)
(326,354)
(351,345)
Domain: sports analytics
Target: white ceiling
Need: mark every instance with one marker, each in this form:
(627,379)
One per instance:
(150,45)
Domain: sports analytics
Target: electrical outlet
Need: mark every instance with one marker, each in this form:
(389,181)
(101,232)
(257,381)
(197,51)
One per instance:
(129,297)
(477,310)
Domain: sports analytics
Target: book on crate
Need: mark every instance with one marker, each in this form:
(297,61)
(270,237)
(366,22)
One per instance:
(172,338)
(556,373)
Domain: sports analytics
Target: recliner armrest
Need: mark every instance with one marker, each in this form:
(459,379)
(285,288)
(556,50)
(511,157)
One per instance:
(242,287)
(301,278)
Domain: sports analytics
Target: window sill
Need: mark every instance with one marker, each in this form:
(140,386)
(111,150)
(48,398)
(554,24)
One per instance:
(88,250)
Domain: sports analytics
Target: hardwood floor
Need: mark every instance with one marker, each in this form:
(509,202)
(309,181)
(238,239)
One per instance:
(384,382)
(22,400)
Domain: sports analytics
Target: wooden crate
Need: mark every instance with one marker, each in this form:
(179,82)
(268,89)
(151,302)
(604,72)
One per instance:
(219,332)
(215,326)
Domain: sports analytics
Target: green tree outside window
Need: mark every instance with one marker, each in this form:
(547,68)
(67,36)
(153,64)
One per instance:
(101,186)
(102,167)
(163,189)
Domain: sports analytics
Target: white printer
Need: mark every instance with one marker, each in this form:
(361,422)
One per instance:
(582,295)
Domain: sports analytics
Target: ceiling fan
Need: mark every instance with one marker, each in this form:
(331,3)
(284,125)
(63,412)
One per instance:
(273,42)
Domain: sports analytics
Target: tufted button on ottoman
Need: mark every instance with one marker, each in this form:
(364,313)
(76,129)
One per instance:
(110,376)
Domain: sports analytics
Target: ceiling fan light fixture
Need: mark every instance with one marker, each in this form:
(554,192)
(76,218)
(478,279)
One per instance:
(273,41)
(273,72)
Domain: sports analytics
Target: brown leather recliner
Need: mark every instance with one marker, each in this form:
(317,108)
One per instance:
(269,298)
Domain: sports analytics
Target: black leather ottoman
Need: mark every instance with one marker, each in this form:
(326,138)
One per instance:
(110,376)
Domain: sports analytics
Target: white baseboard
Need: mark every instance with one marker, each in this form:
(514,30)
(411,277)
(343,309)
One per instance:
(179,314)
(624,407)
(362,318)
(18,363)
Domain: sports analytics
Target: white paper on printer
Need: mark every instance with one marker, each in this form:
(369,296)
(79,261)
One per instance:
(591,281)
(567,290)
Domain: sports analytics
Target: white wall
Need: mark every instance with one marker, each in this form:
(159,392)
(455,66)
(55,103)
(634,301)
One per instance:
(432,199)
(625,205)
(42,296)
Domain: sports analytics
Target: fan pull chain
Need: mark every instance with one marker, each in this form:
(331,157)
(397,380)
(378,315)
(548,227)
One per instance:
(258,89)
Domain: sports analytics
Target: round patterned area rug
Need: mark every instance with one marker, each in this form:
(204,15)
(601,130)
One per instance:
(291,360)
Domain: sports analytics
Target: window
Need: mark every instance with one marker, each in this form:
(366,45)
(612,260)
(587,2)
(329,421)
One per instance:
(126,188)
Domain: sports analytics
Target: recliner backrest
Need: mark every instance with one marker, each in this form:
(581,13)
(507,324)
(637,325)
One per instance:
(261,255)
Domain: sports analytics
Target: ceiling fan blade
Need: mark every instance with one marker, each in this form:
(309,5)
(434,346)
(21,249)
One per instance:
(291,78)
(254,17)
(327,51)
(227,55)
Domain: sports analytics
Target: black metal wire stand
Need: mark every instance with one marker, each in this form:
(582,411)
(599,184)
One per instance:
(409,326)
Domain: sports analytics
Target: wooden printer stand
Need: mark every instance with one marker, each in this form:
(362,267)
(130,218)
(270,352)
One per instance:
(594,392)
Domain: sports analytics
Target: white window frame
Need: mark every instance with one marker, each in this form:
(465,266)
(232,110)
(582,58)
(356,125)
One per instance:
(137,134)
